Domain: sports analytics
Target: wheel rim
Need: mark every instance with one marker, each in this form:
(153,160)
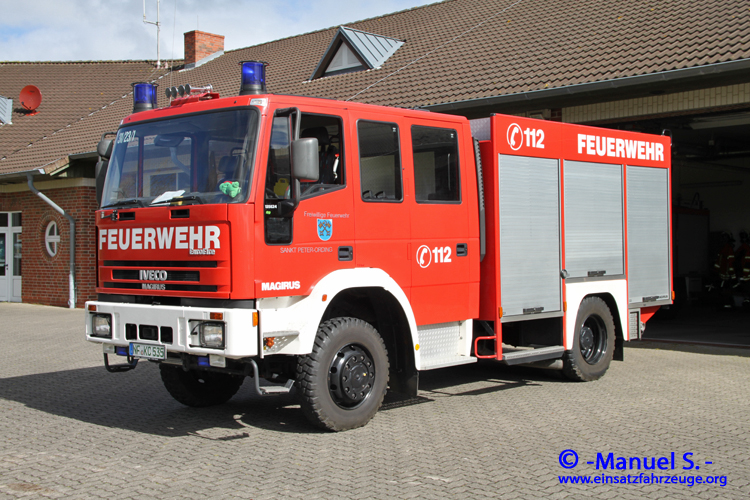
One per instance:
(592,340)
(351,376)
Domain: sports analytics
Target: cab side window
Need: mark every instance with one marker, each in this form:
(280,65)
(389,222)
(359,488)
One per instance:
(436,173)
(379,161)
(278,176)
(327,130)
(278,180)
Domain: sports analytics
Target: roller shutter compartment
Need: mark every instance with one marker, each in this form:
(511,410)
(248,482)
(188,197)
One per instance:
(593,219)
(529,235)
(648,236)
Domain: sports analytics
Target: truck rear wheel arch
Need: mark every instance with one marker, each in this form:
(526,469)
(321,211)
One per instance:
(382,310)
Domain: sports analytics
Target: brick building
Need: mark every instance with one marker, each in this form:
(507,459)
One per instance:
(677,65)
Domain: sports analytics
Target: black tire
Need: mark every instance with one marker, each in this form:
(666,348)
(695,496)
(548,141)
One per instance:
(343,381)
(199,388)
(594,342)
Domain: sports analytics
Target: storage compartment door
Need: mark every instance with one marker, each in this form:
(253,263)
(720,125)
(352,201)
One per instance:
(593,219)
(529,235)
(648,236)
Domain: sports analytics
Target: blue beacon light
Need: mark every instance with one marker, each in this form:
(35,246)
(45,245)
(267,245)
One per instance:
(253,77)
(144,96)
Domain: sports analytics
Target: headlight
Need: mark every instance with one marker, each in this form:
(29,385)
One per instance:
(101,325)
(210,334)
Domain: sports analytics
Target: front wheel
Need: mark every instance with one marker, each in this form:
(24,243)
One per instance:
(343,381)
(199,388)
(593,344)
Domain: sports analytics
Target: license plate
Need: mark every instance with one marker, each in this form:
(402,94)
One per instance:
(147,351)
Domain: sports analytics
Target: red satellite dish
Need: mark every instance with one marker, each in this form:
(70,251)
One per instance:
(30,98)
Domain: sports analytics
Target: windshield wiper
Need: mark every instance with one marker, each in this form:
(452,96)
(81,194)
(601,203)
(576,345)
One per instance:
(124,203)
(191,197)
(180,199)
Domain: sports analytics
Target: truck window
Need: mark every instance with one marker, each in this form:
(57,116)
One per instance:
(379,161)
(278,180)
(327,130)
(191,157)
(436,174)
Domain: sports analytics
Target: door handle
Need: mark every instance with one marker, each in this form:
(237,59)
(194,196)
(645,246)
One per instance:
(346,253)
(462,250)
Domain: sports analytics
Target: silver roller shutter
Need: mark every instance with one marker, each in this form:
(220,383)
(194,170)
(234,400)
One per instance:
(593,219)
(648,235)
(529,235)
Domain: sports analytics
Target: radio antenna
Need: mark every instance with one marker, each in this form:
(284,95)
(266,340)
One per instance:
(158,30)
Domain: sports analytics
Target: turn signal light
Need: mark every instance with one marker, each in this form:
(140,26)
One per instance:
(92,307)
(217,316)
(255,318)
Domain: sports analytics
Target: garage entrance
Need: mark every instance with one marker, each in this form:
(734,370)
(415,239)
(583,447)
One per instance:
(711,227)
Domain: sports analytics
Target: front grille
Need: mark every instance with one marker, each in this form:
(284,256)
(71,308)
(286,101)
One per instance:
(161,264)
(131,331)
(167,286)
(132,274)
(148,332)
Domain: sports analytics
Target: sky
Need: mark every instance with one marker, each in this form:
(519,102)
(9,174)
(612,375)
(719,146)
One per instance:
(83,30)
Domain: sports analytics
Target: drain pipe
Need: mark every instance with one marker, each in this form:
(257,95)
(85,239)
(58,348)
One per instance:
(72,222)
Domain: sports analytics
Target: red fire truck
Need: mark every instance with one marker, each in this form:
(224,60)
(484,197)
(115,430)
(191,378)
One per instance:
(340,248)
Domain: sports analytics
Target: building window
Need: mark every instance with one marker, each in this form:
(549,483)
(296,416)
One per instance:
(52,238)
(344,62)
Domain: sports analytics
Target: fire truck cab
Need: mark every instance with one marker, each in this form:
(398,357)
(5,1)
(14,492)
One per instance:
(341,248)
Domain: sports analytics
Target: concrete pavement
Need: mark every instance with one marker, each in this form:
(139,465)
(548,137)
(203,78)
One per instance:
(71,430)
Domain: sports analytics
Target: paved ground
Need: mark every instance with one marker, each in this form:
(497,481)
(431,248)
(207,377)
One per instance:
(68,429)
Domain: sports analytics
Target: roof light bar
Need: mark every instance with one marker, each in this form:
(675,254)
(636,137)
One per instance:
(253,77)
(187,90)
(144,96)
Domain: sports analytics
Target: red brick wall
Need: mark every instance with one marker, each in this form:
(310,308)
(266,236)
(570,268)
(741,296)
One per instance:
(45,278)
(199,44)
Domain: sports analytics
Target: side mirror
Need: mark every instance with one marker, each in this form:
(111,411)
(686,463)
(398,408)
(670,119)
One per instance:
(100,173)
(305,159)
(104,149)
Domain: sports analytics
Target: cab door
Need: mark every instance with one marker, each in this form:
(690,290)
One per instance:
(443,281)
(294,252)
(382,226)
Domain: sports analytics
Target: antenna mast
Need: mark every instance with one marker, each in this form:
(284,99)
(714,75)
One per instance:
(158,30)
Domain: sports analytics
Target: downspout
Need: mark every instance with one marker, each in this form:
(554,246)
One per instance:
(72,222)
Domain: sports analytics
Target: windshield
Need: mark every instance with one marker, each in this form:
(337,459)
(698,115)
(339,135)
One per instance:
(201,158)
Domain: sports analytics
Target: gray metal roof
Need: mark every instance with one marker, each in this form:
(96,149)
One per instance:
(374,49)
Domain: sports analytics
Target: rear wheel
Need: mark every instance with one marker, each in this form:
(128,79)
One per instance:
(593,344)
(199,388)
(343,381)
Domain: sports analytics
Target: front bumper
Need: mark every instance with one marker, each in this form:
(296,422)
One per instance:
(240,334)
